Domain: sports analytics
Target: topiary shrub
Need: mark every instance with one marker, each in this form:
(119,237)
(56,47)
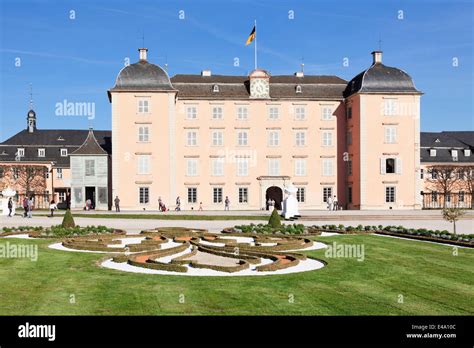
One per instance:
(68,220)
(274,220)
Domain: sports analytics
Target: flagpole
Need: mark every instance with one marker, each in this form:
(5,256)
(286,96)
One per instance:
(255,44)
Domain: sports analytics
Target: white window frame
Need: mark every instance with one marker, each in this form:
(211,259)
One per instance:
(63,152)
(191,112)
(300,113)
(143,134)
(274,166)
(217,113)
(274,138)
(20,152)
(390,135)
(143,195)
(42,152)
(59,173)
(192,195)
(390,197)
(327,167)
(242,165)
(327,192)
(217,167)
(192,138)
(143,106)
(243,193)
(192,167)
(432,152)
(326,112)
(143,164)
(217,195)
(301,195)
(300,138)
(89,170)
(242,137)
(390,106)
(300,167)
(217,138)
(273,112)
(327,139)
(242,113)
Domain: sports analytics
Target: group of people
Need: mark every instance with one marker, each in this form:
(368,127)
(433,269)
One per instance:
(333,204)
(162,207)
(28,204)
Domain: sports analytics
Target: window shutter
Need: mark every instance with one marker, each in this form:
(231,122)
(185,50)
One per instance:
(382,166)
(398,166)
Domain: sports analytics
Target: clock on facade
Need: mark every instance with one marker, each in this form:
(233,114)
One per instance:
(259,84)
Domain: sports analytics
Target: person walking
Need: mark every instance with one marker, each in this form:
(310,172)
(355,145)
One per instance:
(227,203)
(178,204)
(10,207)
(335,203)
(200,206)
(117,204)
(30,207)
(329,201)
(160,204)
(52,207)
(25,207)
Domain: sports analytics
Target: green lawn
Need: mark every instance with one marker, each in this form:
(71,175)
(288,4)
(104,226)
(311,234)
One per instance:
(165,216)
(431,280)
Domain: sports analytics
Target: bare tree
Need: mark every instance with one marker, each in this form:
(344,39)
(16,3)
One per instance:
(443,179)
(468,183)
(28,179)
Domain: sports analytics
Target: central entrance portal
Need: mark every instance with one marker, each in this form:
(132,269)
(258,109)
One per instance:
(90,194)
(274,193)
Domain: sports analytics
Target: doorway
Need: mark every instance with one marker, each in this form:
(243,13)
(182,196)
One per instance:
(274,193)
(90,194)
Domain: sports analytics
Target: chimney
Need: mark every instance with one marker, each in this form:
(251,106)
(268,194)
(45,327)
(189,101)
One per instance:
(377,57)
(206,73)
(143,52)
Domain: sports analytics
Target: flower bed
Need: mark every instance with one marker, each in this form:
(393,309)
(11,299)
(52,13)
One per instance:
(58,231)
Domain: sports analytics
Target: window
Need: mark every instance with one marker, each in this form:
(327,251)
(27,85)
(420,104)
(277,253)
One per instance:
(41,152)
(467,152)
(144,195)
(273,113)
(273,167)
(143,164)
(242,113)
(62,196)
(461,196)
(390,107)
(143,134)
(300,167)
(192,195)
(349,167)
(390,166)
(349,112)
(460,174)
(327,138)
(89,167)
(59,173)
(422,173)
(242,166)
(328,167)
(434,196)
(191,112)
(274,138)
(217,165)
(300,113)
(217,195)
(191,138)
(298,89)
(300,138)
(349,138)
(102,195)
(63,152)
(142,106)
(20,152)
(301,195)
(327,192)
(215,88)
(243,195)
(217,138)
(454,154)
(192,167)
(16,173)
(349,194)
(326,113)
(390,135)
(434,174)
(432,152)
(242,138)
(2,172)
(390,194)
(217,112)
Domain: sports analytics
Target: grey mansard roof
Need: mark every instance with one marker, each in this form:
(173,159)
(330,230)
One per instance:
(238,87)
(52,140)
(380,78)
(142,76)
(444,143)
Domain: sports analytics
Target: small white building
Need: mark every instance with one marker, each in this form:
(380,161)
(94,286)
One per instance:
(90,175)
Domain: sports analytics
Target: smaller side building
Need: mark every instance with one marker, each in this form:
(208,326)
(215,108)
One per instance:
(90,175)
(447,169)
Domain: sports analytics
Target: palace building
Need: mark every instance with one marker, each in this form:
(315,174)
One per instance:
(206,137)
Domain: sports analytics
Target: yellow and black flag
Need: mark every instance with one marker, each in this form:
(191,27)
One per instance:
(251,37)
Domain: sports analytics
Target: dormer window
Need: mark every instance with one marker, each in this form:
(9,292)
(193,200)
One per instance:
(215,88)
(60,138)
(41,152)
(467,152)
(298,89)
(432,152)
(437,141)
(63,152)
(20,152)
(454,153)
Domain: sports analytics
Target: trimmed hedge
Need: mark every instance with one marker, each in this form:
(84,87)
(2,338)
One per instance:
(278,265)
(159,266)
(229,269)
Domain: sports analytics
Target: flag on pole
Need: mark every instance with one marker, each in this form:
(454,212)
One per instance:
(251,37)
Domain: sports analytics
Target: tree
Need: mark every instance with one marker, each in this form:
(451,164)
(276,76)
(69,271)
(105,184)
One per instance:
(468,183)
(443,179)
(452,215)
(28,179)
(275,220)
(68,220)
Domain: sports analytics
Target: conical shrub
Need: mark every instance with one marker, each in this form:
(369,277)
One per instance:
(274,220)
(68,220)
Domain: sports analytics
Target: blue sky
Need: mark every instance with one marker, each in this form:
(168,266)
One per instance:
(78,59)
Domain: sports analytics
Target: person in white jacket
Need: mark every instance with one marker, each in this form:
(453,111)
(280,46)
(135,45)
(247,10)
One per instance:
(52,207)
